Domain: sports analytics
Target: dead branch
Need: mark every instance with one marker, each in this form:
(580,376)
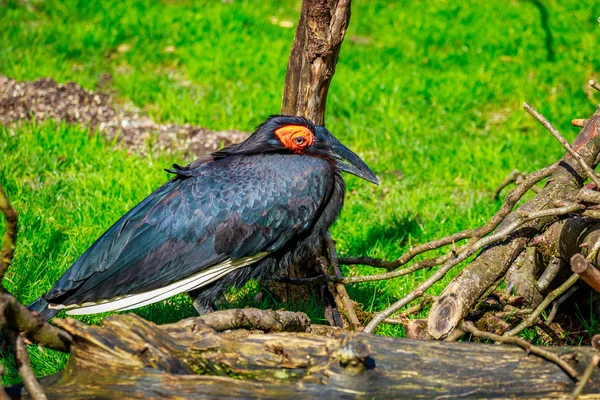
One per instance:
(513,197)
(586,271)
(595,85)
(128,357)
(401,318)
(549,274)
(10,235)
(558,302)
(514,177)
(528,347)
(22,360)
(465,252)
(255,319)
(514,174)
(338,289)
(549,299)
(586,195)
(19,318)
(588,170)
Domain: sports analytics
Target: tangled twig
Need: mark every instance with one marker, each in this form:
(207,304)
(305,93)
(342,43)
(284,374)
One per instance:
(469,327)
(530,320)
(465,252)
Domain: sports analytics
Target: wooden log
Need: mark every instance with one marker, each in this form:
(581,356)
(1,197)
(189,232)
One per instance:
(459,297)
(128,357)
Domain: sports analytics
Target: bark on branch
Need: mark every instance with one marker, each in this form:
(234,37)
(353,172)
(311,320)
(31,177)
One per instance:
(315,51)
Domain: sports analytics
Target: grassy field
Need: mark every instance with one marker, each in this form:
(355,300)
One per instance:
(428,93)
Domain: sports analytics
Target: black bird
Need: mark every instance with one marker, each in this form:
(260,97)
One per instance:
(246,211)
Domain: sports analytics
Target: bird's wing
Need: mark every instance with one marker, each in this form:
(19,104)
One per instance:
(195,230)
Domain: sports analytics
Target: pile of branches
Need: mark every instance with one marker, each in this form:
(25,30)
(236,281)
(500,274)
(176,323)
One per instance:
(541,251)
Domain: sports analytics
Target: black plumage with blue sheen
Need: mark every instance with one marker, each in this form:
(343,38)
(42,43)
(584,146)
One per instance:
(250,200)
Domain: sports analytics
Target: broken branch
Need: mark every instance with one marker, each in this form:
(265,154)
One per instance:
(586,271)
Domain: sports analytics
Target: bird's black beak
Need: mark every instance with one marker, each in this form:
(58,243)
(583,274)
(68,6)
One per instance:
(349,162)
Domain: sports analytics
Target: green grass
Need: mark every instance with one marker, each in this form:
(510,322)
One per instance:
(430,96)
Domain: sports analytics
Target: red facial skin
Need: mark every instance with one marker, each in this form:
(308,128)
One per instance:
(295,137)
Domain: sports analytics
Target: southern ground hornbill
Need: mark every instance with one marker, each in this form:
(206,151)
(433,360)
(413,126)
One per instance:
(246,211)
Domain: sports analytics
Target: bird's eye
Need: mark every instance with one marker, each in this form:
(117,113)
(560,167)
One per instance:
(299,140)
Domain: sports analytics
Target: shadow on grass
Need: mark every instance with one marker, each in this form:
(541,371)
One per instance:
(545,27)
(394,232)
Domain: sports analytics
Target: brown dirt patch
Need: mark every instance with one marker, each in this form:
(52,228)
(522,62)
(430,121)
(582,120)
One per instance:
(45,99)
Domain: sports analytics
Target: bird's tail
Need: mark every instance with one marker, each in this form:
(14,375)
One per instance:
(41,306)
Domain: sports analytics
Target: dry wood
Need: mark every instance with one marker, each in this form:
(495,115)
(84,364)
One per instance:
(459,297)
(341,298)
(255,319)
(586,195)
(25,372)
(128,357)
(10,234)
(465,252)
(586,271)
(589,370)
(530,320)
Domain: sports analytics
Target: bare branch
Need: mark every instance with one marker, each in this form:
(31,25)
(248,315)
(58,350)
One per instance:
(25,372)
(255,319)
(339,290)
(469,327)
(557,303)
(586,271)
(595,84)
(549,299)
(586,195)
(19,317)
(588,170)
(465,252)
(401,318)
(514,174)
(513,197)
(10,235)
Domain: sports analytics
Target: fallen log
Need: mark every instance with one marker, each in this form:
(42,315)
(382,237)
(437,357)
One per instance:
(128,357)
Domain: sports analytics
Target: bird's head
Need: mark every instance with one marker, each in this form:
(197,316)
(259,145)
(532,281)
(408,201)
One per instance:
(297,135)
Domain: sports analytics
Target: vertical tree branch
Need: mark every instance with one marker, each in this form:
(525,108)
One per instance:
(315,52)
(25,372)
(10,235)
